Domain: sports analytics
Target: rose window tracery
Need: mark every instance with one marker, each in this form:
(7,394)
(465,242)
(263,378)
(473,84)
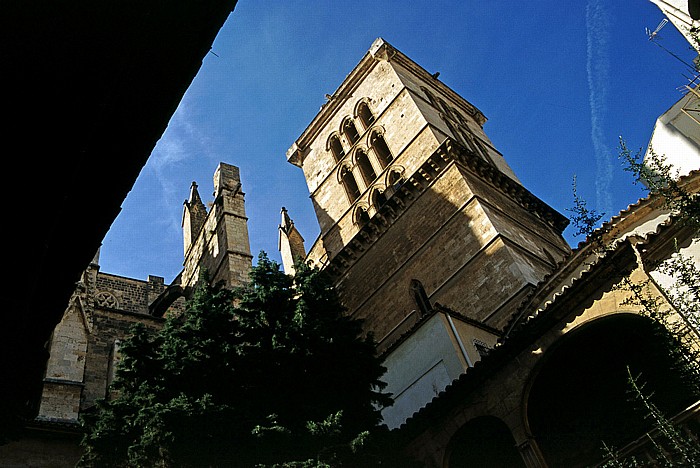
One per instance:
(106,299)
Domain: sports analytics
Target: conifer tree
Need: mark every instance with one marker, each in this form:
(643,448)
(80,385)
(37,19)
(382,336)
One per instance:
(266,374)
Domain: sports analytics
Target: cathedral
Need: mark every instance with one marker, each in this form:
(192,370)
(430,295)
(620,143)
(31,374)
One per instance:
(503,345)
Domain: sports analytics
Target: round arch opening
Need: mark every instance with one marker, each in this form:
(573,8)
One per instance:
(582,396)
(484,442)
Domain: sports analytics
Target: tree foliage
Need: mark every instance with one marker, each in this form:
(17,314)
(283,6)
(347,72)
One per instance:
(584,219)
(270,373)
(661,180)
(675,312)
(671,446)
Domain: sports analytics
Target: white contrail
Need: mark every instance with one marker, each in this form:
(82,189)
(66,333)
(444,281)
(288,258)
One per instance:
(597,68)
(182,141)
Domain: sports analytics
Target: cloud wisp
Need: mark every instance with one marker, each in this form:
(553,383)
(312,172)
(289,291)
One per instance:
(182,143)
(598,71)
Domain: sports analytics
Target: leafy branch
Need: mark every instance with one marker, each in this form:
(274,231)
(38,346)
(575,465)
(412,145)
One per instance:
(661,179)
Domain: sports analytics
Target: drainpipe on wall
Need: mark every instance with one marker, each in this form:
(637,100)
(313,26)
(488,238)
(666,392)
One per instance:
(459,341)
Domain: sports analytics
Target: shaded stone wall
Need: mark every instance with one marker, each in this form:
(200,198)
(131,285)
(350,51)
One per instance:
(82,351)
(110,327)
(587,292)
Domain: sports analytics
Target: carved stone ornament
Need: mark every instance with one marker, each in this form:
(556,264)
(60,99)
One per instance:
(106,299)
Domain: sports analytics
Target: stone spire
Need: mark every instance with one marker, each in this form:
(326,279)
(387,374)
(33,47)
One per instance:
(216,241)
(291,244)
(193,217)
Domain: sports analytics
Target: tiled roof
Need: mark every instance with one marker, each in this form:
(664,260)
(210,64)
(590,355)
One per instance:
(582,265)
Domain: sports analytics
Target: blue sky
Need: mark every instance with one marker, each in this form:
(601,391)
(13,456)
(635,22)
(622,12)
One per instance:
(559,81)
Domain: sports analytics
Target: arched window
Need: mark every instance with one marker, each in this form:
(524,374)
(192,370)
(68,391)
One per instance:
(395,179)
(361,216)
(475,145)
(462,120)
(420,297)
(350,131)
(348,180)
(336,148)
(366,168)
(365,115)
(378,199)
(482,150)
(381,150)
(469,140)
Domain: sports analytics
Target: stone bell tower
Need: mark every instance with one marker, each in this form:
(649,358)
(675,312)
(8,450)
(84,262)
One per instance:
(429,235)
(409,190)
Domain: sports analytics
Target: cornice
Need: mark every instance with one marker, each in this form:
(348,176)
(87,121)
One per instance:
(379,51)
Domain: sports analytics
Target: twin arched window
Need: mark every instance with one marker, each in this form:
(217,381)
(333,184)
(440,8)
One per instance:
(365,115)
(368,170)
(368,173)
(350,131)
(458,125)
(349,183)
(336,147)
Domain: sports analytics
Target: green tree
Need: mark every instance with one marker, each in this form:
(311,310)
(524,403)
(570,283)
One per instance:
(671,446)
(267,374)
(661,179)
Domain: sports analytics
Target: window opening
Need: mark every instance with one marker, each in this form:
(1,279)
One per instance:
(366,168)
(482,150)
(469,140)
(420,297)
(365,115)
(430,96)
(362,216)
(351,188)
(350,131)
(381,150)
(378,199)
(395,180)
(448,110)
(337,148)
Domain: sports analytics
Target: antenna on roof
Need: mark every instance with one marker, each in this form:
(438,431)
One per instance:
(652,34)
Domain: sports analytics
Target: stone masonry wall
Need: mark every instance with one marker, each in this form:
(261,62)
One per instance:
(441,231)
(109,327)
(222,248)
(131,295)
